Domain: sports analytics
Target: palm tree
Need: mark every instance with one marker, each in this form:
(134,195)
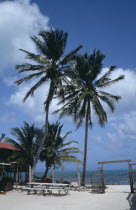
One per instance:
(2,136)
(85,94)
(27,140)
(51,66)
(56,150)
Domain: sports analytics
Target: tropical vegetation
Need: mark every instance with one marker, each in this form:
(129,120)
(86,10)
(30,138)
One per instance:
(26,139)
(57,150)
(85,97)
(51,66)
(80,85)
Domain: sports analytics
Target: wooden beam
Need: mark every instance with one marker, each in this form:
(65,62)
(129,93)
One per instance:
(115,161)
(7,164)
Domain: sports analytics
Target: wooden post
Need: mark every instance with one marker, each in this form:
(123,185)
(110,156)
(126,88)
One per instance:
(30,174)
(52,173)
(102,177)
(131,178)
(18,179)
(3,172)
(78,177)
(16,175)
(20,176)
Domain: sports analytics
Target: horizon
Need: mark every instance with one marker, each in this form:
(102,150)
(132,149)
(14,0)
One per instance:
(70,170)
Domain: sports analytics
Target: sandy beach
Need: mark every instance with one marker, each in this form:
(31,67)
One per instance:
(117,197)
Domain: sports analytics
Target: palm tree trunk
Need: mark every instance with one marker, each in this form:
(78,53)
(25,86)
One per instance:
(48,100)
(45,174)
(85,148)
(42,141)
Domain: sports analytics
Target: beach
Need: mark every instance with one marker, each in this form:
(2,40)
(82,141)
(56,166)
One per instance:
(117,197)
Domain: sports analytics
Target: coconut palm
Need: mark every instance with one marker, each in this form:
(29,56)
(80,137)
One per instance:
(57,150)
(27,141)
(50,67)
(85,94)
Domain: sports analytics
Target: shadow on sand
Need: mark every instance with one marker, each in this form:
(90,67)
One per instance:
(132,201)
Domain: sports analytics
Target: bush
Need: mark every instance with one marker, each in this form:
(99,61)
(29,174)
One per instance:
(6,183)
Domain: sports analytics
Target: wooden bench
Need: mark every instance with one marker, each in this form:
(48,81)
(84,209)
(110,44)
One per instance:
(45,190)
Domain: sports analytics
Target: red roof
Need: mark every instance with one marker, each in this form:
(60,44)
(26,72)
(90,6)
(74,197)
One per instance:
(8,146)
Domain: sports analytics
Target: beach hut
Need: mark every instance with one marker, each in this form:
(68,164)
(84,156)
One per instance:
(6,150)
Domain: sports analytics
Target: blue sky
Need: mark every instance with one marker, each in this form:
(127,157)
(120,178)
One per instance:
(102,24)
(106,25)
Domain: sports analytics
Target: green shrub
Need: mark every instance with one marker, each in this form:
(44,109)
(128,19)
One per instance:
(4,181)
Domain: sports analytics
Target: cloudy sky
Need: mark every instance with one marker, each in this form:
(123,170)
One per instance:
(103,24)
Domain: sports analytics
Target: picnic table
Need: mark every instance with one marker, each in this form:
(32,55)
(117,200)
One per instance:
(47,187)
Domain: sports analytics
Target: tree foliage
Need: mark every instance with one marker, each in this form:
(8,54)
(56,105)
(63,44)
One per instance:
(85,96)
(51,66)
(57,150)
(26,139)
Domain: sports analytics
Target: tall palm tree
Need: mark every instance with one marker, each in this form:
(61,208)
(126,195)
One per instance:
(27,140)
(56,150)
(85,94)
(50,66)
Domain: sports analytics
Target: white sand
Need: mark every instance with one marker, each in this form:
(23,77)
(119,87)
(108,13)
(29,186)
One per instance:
(115,198)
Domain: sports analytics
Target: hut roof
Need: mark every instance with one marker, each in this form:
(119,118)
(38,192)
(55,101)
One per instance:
(4,145)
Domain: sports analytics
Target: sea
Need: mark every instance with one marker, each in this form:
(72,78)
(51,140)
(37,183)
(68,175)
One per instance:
(110,176)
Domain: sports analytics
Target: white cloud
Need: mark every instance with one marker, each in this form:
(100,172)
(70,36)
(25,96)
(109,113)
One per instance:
(125,108)
(126,89)
(124,118)
(124,129)
(120,129)
(10,80)
(33,106)
(19,19)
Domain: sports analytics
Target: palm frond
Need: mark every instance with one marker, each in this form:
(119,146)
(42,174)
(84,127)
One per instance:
(102,116)
(109,102)
(26,140)
(54,43)
(2,136)
(37,85)
(18,134)
(39,44)
(13,142)
(38,58)
(31,76)
(70,159)
(113,97)
(105,77)
(65,136)
(70,150)
(107,84)
(70,56)
(29,67)
(55,149)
